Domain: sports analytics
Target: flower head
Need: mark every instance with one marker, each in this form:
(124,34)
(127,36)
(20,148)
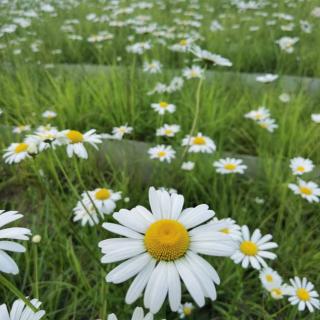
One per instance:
(307,190)
(301,165)
(162,153)
(229,165)
(199,143)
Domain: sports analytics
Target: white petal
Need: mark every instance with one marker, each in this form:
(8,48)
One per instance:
(174,287)
(195,216)
(122,231)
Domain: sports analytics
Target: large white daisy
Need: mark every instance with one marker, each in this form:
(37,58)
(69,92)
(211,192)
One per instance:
(7,264)
(20,311)
(199,143)
(163,246)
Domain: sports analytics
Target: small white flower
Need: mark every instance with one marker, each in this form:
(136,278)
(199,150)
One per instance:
(185,310)
(17,152)
(287,44)
(211,57)
(268,124)
(182,46)
(162,107)
(284,97)
(152,67)
(168,130)
(259,114)
(307,190)
(229,165)
(193,72)
(119,132)
(252,250)
(227,226)
(315,117)
(162,153)
(303,294)
(199,143)
(48,114)
(75,141)
(20,311)
(44,139)
(138,314)
(22,128)
(301,165)
(267,78)
(188,165)
(7,264)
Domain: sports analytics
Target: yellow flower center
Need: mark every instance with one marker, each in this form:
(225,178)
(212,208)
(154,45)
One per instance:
(167,240)
(277,291)
(168,132)
(183,42)
(263,125)
(74,136)
(248,248)
(161,154)
(163,104)
(300,169)
(187,311)
(199,140)
(305,190)
(21,147)
(303,294)
(269,277)
(102,194)
(230,166)
(225,230)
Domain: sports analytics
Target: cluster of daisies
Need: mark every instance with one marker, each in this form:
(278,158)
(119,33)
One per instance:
(262,117)
(162,248)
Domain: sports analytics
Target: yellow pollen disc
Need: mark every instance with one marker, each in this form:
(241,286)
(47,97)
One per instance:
(21,147)
(277,292)
(300,169)
(303,294)
(102,194)
(161,154)
(230,166)
(248,248)
(305,190)
(163,104)
(167,240)
(263,125)
(269,277)
(194,74)
(75,136)
(187,311)
(183,42)
(225,230)
(168,131)
(199,140)
(258,116)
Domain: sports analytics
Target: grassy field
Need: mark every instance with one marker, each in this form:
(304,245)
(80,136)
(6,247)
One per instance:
(38,72)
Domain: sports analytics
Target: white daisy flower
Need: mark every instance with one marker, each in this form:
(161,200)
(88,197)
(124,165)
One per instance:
(267,78)
(17,152)
(284,97)
(163,246)
(210,57)
(193,72)
(48,114)
(182,46)
(307,190)
(162,107)
(139,48)
(168,130)
(199,143)
(229,165)
(287,43)
(185,310)
(7,264)
(86,213)
(268,124)
(152,67)
(75,141)
(260,114)
(44,139)
(301,165)
(119,132)
(20,311)
(21,128)
(138,314)
(253,250)
(303,294)
(104,199)
(188,165)
(162,152)
(270,278)
(227,226)
(315,117)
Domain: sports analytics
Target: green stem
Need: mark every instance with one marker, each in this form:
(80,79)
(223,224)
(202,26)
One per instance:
(36,277)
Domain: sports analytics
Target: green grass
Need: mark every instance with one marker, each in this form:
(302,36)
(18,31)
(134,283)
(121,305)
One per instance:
(64,271)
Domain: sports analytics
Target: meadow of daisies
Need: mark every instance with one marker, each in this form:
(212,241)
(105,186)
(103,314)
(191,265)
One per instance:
(160,159)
